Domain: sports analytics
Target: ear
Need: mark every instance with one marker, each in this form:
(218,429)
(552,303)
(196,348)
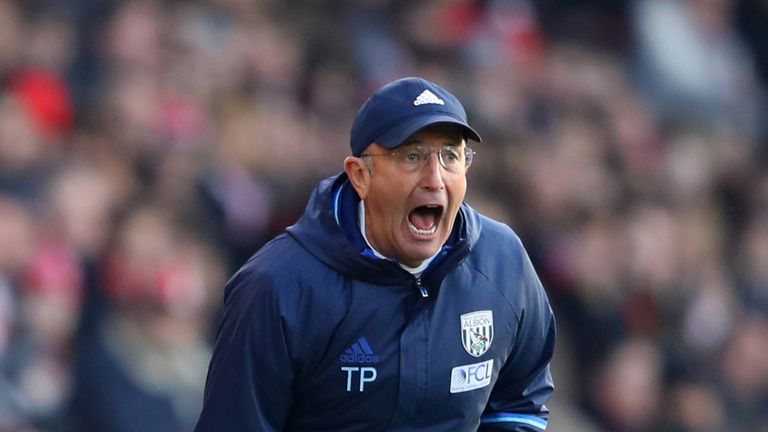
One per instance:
(359,174)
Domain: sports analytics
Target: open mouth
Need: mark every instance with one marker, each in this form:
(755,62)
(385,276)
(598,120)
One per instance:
(424,220)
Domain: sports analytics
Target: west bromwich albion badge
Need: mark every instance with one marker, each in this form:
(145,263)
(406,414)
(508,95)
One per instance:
(477,332)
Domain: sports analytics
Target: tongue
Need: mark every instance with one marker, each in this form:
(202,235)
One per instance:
(422,220)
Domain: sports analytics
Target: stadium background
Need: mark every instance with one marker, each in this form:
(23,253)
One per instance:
(148,147)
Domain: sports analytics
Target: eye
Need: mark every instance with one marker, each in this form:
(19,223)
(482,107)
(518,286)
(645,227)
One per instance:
(411,156)
(450,154)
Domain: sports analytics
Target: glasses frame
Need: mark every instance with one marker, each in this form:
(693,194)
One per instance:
(469,156)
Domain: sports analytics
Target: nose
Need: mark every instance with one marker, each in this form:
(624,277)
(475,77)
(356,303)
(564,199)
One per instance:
(432,173)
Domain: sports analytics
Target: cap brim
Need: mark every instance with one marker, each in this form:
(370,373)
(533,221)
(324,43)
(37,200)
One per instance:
(397,135)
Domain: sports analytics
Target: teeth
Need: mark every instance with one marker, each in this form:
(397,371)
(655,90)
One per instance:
(421,231)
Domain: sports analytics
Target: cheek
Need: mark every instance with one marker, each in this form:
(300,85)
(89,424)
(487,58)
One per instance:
(457,189)
(387,200)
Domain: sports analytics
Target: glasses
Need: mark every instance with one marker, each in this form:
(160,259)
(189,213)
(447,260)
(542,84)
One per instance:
(413,158)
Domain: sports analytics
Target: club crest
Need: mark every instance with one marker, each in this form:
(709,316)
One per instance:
(477,332)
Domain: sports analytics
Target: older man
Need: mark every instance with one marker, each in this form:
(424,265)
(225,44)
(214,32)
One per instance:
(391,305)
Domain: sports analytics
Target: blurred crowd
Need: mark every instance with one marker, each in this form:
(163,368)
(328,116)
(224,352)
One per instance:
(148,147)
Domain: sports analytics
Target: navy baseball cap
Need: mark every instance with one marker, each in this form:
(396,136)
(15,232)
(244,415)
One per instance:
(402,108)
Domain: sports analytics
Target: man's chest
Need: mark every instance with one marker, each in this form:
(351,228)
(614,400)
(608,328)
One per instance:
(395,358)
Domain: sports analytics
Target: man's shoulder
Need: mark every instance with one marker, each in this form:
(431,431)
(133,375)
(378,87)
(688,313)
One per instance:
(498,250)
(280,253)
(281,267)
(498,235)
(499,254)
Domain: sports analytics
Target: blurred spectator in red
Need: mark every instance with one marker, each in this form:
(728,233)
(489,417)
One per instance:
(41,359)
(144,370)
(45,96)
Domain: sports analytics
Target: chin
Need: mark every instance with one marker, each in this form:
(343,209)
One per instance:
(421,254)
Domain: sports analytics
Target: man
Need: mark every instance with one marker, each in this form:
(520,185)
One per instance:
(391,305)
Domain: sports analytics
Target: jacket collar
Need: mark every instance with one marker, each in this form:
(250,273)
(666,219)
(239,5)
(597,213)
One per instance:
(328,230)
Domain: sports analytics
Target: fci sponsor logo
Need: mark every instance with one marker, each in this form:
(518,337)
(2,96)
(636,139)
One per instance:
(472,376)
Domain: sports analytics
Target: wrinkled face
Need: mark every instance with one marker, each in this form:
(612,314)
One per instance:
(410,208)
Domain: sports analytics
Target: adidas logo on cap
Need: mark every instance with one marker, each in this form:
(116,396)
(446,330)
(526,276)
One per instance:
(427,97)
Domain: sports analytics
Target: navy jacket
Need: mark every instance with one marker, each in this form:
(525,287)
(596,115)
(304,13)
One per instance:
(317,334)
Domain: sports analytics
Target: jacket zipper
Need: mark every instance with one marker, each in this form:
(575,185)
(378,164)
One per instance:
(422,288)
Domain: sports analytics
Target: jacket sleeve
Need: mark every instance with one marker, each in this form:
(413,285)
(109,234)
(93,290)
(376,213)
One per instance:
(517,401)
(248,386)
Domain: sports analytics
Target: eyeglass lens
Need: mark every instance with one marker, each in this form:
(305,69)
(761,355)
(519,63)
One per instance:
(451,158)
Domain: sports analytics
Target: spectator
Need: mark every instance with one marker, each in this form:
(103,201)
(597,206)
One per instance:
(144,369)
